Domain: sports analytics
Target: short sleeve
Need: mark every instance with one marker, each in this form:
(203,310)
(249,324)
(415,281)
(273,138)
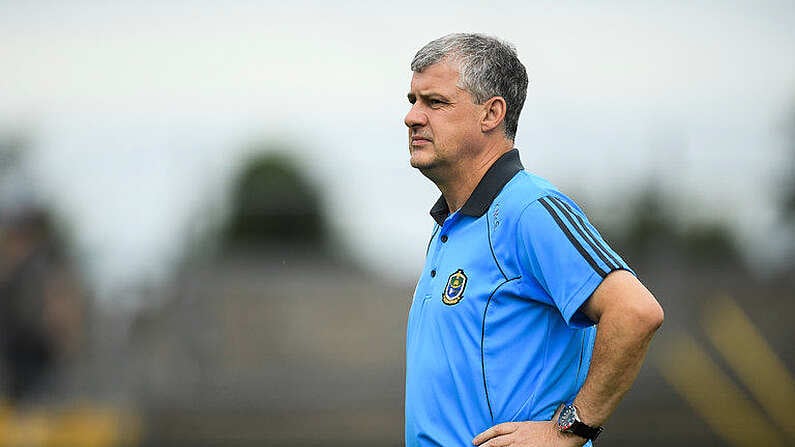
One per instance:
(565,254)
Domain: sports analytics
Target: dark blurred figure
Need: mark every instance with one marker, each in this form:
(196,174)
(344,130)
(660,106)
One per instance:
(41,305)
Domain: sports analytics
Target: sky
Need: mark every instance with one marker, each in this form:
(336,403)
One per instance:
(140,112)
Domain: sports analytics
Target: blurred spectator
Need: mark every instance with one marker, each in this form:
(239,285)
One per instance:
(41,305)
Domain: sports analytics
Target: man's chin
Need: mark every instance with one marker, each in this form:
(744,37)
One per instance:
(428,168)
(422,163)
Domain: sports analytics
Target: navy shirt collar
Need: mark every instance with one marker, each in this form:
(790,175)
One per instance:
(498,175)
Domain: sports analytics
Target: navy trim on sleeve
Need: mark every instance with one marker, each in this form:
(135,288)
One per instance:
(585,233)
(545,201)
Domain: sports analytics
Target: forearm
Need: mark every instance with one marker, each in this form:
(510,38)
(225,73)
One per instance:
(622,339)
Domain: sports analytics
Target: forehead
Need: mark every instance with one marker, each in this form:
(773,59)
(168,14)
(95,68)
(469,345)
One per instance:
(440,77)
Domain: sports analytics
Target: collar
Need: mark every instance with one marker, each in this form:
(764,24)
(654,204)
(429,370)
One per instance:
(498,175)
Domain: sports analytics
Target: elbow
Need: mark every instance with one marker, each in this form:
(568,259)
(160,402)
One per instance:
(622,300)
(650,315)
(641,315)
(656,317)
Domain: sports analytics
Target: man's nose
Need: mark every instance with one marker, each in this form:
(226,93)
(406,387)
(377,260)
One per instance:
(415,117)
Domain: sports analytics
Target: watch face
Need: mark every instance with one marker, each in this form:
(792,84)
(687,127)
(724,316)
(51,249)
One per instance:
(567,418)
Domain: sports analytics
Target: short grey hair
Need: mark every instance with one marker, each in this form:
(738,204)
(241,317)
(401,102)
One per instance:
(487,67)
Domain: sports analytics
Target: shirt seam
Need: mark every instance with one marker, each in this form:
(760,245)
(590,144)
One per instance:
(483,343)
(491,247)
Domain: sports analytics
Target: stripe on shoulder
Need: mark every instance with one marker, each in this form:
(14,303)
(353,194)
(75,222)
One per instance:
(558,216)
(588,234)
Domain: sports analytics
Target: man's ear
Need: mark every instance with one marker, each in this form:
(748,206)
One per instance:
(494,110)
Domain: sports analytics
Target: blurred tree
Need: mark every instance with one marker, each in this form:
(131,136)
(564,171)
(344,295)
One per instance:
(652,230)
(274,205)
(788,198)
(787,195)
(14,187)
(11,149)
(650,223)
(709,242)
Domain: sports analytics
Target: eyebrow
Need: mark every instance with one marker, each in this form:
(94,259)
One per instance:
(412,96)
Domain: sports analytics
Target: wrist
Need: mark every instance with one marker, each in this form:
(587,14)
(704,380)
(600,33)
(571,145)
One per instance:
(569,422)
(587,413)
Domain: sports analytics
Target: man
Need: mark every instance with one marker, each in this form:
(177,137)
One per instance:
(502,347)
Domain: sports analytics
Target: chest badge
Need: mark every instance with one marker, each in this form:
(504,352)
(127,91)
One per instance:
(454,290)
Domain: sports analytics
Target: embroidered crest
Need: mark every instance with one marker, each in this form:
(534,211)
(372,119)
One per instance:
(454,290)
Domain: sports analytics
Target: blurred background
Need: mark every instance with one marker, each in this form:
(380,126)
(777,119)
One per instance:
(210,233)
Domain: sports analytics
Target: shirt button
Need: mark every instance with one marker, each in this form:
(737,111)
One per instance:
(433,273)
(444,238)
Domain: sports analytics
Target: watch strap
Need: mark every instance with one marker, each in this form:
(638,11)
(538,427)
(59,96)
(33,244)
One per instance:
(585,431)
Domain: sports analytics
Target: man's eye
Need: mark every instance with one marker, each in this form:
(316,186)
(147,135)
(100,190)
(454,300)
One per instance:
(437,102)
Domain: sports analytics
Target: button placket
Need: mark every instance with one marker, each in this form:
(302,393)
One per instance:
(444,231)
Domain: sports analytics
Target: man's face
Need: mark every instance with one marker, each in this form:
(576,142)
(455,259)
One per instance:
(444,122)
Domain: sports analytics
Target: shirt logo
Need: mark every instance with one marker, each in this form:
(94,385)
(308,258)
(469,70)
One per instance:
(454,290)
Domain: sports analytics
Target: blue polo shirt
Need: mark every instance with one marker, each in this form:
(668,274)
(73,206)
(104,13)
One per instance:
(495,332)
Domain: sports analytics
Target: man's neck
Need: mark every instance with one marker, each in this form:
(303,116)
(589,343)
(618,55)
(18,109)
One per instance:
(457,189)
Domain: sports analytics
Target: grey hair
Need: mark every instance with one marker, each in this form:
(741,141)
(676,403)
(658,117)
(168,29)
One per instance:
(487,67)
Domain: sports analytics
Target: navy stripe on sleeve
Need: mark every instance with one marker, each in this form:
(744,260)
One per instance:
(596,238)
(585,233)
(545,201)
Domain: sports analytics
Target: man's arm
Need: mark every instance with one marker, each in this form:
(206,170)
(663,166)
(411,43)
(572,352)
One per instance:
(628,316)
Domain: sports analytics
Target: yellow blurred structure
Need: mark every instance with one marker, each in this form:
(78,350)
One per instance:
(83,425)
(757,365)
(725,407)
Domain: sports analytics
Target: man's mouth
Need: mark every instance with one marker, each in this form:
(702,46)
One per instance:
(419,140)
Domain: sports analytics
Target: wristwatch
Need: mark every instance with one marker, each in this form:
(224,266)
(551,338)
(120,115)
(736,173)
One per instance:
(569,422)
